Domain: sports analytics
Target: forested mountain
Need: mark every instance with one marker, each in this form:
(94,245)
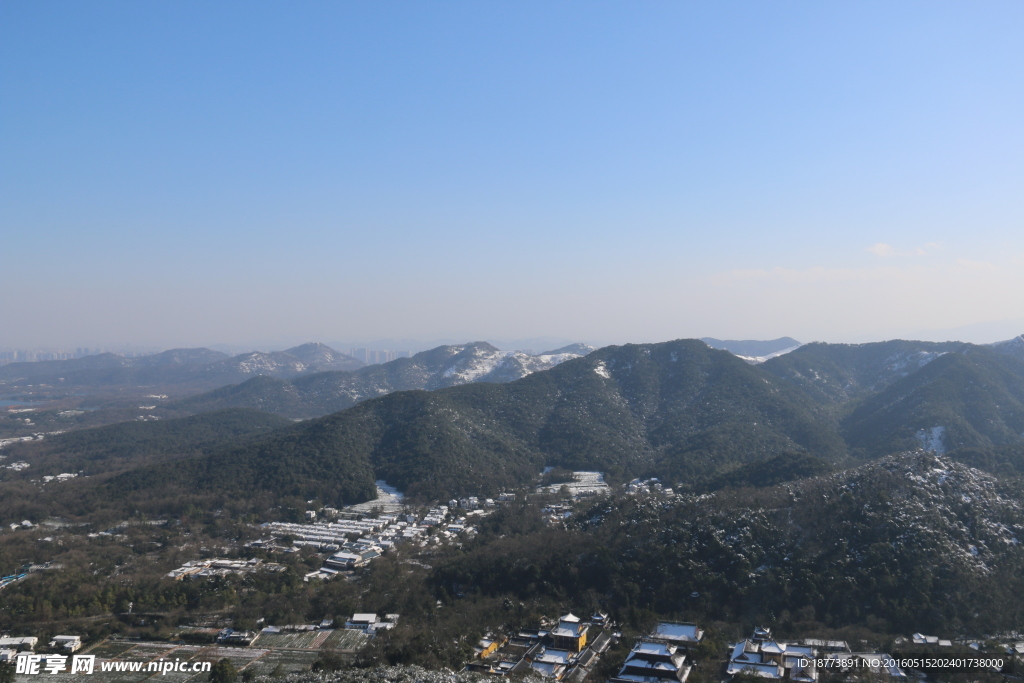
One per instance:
(298,360)
(322,393)
(910,542)
(696,417)
(972,398)
(678,409)
(201,367)
(130,444)
(97,454)
(838,373)
(1011,347)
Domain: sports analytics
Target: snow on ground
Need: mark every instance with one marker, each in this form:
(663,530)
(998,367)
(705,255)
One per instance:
(389,499)
(490,364)
(481,363)
(931,439)
(754,360)
(602,370)
(583,484)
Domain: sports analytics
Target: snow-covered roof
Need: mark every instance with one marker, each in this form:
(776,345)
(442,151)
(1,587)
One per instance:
(548,670)
(566,632)
(770,670)
(551,655)
(645,647)
(677,631)
(646,664)
(367,617)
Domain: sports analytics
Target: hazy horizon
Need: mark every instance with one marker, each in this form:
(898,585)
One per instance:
(195,174)
(984,333)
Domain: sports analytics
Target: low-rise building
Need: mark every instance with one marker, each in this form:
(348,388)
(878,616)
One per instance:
(350,560)
(67,643)
(650,662)
(361,621)
(489,645)
(369,623)
(230,636)
(570,634)
(222,567)
(561,652)
(765,657)
(550,662)
(878,663)
(827,645)
(680,634)
(19,642)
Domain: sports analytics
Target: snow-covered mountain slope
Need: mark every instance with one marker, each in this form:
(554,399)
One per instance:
(481,362)
(327,392)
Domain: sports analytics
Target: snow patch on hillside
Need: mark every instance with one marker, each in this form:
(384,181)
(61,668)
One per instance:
(754,360)
(905,363)
(488,364)
(602,370)
(479,363)
(932,439)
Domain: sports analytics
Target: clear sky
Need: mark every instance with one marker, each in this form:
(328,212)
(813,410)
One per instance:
(189,173)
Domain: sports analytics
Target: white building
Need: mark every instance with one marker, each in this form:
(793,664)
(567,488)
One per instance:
(67,643)
(369,623)
(22,642)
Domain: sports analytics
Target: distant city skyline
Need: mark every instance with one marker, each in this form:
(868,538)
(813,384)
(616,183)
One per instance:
(193,174)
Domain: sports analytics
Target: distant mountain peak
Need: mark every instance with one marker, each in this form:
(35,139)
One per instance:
(317,355)
(579,349)
(1011,347)
(482,346)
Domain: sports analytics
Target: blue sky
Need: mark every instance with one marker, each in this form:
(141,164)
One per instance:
(192,173)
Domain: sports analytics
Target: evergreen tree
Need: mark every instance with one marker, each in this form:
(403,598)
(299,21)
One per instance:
(223,672)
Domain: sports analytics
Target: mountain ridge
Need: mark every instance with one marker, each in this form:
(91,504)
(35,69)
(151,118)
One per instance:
(679,408)
(319,394)
(176,366)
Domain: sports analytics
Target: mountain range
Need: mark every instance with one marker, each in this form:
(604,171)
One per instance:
(692,415)
(200,367)
(327,392)
(678,409)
